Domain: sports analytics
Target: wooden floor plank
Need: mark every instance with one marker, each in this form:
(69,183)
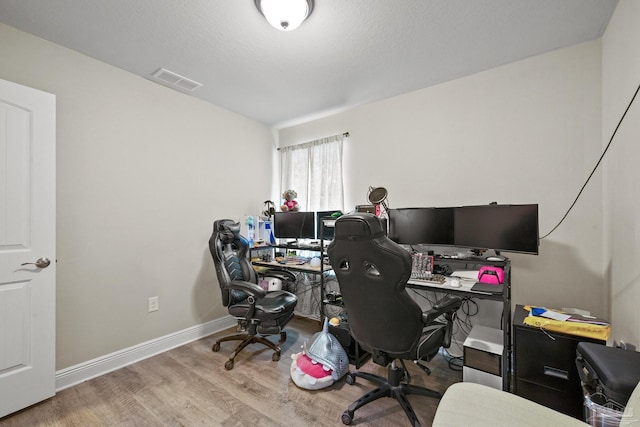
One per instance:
(189,386)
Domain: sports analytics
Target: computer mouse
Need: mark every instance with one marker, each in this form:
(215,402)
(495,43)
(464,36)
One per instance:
(495,258)
(454,283)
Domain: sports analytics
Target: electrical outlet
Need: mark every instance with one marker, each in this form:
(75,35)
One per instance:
(153,304)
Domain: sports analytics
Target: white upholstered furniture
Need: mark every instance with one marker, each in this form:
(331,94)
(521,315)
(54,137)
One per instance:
(475,405)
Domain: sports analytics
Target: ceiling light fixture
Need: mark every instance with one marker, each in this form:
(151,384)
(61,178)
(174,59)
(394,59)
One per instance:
(285,15)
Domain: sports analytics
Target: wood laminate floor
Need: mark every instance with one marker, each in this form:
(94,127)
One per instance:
(188,386)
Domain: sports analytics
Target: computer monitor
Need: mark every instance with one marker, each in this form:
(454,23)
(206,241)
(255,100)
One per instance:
(511,228)
(327,233)
(294,225)
(414,226)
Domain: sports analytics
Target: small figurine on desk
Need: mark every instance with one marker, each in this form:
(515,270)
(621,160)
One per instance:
(289,205)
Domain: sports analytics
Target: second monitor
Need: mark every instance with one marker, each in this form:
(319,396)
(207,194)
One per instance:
(294,225)
(413,226)
(325,233)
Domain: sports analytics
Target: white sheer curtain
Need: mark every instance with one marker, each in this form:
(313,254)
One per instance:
(314,171)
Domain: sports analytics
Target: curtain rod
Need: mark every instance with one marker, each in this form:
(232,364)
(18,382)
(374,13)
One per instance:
(345,134)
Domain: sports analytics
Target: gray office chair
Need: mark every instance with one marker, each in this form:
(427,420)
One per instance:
(259,313)
(372,271)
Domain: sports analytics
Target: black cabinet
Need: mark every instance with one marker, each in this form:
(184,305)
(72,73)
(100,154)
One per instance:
(544,366)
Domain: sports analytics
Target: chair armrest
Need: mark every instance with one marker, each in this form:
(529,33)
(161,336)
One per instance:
(248,287)
(446,304)
(284,275)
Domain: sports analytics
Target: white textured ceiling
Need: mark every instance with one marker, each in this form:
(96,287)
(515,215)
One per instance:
(347,53)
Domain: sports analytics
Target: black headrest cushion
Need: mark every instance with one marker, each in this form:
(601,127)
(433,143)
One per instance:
(358,226)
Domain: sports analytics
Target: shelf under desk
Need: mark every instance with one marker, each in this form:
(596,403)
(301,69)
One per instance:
(463,290)
(305,268)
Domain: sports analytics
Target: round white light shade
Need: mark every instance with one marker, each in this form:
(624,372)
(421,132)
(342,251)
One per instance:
(285,15)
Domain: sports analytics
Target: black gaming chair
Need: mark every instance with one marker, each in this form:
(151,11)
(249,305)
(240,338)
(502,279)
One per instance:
(372,271)
(259,313)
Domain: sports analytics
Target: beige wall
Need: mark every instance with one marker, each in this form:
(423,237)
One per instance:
(142,172)
(527,132)
(621,76)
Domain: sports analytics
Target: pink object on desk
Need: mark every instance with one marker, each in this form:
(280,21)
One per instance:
(491,275)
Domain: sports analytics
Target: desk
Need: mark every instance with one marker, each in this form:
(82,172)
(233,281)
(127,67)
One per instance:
(465,291)
(309,296)
(275,263)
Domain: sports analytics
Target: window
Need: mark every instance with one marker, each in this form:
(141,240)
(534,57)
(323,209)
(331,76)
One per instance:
(314,171)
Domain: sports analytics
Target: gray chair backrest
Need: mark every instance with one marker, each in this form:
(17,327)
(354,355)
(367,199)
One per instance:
(229,251)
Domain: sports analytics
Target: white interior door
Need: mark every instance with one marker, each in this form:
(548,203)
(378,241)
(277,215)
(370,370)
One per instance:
(27,235)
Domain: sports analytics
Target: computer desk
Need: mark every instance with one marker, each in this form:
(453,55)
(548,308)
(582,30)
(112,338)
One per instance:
(475,263)
(452,264)
(306,268)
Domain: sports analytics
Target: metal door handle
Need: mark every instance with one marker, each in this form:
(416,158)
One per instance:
(40,263)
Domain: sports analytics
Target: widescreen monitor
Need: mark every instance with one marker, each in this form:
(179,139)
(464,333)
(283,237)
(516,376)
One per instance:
(511,228)
(428,226)
(294,225)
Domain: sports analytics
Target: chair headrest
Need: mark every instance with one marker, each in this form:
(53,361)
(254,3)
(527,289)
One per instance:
(358,226)
(228,230)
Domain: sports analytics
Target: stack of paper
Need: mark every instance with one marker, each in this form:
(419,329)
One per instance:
(569,323)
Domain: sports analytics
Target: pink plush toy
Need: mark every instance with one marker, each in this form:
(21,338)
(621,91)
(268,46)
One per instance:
(320,364)
(289,201)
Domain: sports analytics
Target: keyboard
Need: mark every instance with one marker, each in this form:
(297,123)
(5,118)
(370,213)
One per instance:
(437,279)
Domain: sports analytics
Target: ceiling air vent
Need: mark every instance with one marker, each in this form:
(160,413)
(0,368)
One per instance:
(174,80)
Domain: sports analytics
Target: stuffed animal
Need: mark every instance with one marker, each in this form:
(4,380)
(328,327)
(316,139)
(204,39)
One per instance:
(289,205)
(320,364)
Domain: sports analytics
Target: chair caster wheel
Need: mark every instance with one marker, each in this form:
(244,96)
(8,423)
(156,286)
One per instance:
(228,365)
(216,347)
(347,418)
(276,356)
(350,379)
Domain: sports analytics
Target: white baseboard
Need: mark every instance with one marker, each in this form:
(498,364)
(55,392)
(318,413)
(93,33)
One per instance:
(84,371)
